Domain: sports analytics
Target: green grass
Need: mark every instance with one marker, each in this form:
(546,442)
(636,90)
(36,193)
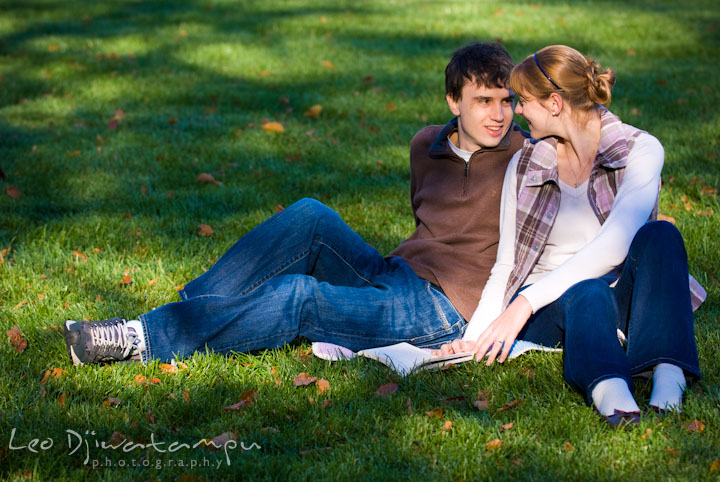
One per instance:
(195,79)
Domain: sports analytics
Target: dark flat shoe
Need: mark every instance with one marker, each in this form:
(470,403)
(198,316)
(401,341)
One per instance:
(620,419)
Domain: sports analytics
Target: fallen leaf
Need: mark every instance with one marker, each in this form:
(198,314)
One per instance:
(12,191)
(493,444)
(303,379)
(54,373)
(326,403)
(322,386)
(630,52)
(662,82)
(79,256)
(279,207)
(387,389)
(506,426)
(126,280)
(694,426)
(273,127)
(367,79)
(271,429)
(314,111)
(17,339)
(116,439)
(168,368)
(207,178)
(53,48)
(112,402)
(528,373)
(150,417)
(205,230)
(155,380)
(172,121)
(481,403)
(510,405)
(709,191)
(390,106)
(715,465)
(447,426)
(328,64)
(662,217)
(140,379)
(119,114)
(436,413)
(22,303)
(646,434)
(635,111)
(569,447)
(265,73)
(671,451)
(62,399)
(152,281)
(220,441)
(247,398)
(186,395)
(112,124)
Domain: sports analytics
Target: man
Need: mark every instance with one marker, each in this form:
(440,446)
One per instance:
(304,272)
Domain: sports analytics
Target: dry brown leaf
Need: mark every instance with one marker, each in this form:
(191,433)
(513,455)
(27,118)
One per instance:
(12,191)
(694,426)
(386,390)
(117,439)
(326,403)
(493,444)
(303,379)
(54,373)
(569,447)
(168,368)
(715,466)
(152,281)
(709,191)
(220,441)
(205,230)
(390,106)
(186,395)
(140,379)
(447,426)
(207,178)
(112,124)
(436,413)
(62,399)
(630,52)
(79,256)
(150,417)
(17,339)
(510,405)
(506,426)
(662,217)
(246,398)
(328,64)
(172,121)
(265,73)
(481,403)
(322,386)
(112,402)
(155,380)
(126,280)
(22,303)
(646,434)
(314,111)
(279,207)
(273,127)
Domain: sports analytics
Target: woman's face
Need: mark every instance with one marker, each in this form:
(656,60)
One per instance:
(538,116)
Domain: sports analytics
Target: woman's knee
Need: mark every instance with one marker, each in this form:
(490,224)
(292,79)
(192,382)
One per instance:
(657,235)
(591,293)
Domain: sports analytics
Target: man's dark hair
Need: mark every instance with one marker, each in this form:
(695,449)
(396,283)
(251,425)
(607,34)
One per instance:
(484,63)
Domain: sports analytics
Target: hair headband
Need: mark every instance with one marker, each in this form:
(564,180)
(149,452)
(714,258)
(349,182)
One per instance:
(543,72)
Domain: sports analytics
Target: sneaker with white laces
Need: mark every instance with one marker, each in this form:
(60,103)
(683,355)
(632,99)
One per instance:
(101,341)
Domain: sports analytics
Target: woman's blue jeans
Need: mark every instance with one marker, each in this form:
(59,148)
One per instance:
(303,272)
(650,304)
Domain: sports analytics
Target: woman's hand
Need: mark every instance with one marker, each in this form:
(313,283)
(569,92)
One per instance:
(501,333)
(455,346)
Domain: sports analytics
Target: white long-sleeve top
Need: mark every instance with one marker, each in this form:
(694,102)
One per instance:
(609,245)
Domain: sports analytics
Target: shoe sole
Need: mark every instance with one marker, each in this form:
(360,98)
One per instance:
(66,329)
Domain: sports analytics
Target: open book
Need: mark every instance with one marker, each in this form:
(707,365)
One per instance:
(404,358)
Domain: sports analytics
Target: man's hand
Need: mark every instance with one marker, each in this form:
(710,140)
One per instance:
(500,335)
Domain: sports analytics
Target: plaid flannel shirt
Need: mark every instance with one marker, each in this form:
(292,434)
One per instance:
(538,196)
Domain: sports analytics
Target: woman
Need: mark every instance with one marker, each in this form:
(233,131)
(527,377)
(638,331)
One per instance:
(578,264)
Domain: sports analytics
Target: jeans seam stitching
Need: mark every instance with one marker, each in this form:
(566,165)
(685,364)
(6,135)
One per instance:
(276,271)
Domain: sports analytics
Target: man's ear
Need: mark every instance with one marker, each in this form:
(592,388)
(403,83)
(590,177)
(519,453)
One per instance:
(453,104)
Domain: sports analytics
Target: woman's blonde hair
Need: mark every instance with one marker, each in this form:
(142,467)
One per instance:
(558,68)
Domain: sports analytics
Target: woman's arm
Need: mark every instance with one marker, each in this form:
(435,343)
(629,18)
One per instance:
(490,305)
(634,201)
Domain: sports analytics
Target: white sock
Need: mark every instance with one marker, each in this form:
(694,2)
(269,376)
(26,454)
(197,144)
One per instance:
(138,328)
(613,394)
(668,387)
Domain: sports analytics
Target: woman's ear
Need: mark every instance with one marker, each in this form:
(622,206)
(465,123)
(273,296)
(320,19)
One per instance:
(555,103)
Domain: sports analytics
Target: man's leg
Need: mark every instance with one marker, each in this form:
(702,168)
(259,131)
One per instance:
(306,238)
(396,306)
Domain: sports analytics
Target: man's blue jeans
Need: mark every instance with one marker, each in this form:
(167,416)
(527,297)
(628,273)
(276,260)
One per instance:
(303,272)
(650,304)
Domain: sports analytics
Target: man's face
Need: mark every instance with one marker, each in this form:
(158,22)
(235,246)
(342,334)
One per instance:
(484,115)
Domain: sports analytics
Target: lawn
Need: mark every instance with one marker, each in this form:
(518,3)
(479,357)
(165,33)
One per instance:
(124,125)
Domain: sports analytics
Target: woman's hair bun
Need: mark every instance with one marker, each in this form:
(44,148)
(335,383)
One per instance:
(600,82)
